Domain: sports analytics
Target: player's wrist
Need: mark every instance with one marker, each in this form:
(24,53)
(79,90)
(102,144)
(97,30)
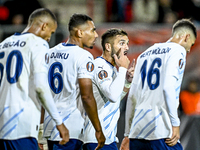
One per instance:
(99,130)
(126,134)
(122,70)
(127,84)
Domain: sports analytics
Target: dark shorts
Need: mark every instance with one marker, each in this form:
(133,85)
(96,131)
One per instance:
(73,144)
(19,144)
(92,146)
(140,144)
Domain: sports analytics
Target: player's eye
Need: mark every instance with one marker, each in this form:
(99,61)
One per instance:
(121,43)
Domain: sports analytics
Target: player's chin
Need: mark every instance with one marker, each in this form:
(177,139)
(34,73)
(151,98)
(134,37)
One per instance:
(125,53)
(91,47)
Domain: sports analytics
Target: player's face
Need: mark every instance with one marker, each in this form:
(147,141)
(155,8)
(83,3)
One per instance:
(120,43)
(89,35)
(49,30)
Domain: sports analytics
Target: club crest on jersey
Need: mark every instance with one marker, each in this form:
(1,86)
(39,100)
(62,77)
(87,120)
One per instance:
(90,66)
(181,62)
(47,58)
(102,74)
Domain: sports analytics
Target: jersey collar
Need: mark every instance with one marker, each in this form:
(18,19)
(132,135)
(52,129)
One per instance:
(105,60)
(68,44)
(17,33)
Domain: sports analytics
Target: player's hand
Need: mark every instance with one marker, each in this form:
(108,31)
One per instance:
(175,137)
(41,140)
(64,134)
(121,60)
(130,72)
(100,138)
(125,144)
(40,146)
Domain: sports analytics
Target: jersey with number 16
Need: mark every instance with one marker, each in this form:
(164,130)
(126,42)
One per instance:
(151,119)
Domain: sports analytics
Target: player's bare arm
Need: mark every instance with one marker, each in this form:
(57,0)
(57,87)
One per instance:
(90,106)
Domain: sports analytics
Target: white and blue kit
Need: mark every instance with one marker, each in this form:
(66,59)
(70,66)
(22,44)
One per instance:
(67,64)
(108,85)
(22,61)
(156,86)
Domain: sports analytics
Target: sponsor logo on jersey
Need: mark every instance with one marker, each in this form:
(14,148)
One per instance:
(181,62)
(47,58)
(102,74)
(90,66)
(100,67)
(90,58)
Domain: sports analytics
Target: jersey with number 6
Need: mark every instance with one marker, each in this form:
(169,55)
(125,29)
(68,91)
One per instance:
(67,64)
(21,56)
(151,119)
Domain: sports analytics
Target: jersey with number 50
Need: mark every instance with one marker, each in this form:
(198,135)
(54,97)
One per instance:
(151,119)
(21,56)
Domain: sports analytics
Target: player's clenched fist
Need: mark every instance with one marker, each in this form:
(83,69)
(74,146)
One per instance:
(64,134)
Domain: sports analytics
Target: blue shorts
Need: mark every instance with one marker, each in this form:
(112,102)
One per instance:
(73,144)
(92,146)
(19,144)
(140,144)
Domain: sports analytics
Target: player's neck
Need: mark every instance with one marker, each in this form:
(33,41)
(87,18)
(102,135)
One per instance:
(75,42)
(109,59)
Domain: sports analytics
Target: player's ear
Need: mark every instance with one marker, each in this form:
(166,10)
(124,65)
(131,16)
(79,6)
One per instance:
(79,33)
(44,26)
(108,47)
(187,37)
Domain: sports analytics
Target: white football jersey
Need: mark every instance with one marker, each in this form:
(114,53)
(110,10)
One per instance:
(104,75)
(151,119)
(67,64)
(21,56)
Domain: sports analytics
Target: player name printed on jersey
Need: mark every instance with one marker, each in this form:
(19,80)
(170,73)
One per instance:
(156,52)
(13,44)
(59,55)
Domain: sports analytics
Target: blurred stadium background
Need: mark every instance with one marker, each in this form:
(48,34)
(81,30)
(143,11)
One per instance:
(141,36)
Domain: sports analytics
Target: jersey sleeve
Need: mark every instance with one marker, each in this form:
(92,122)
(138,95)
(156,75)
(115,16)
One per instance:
(40,57)
(39,64)
(86,66)
(173,78)
(111,88)
(176,63)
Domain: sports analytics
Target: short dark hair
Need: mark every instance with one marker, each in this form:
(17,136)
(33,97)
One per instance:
(41,12)
(109,34)
(77,19)
(184,23)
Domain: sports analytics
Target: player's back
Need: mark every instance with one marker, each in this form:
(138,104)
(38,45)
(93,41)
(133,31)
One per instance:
(67,64)
(19,59)
(151,71)
(153,65)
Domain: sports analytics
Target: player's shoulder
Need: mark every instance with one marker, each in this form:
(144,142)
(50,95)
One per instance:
(31,36)
(85,52)
(33,39)
(174,47)
(101,60)
(56,47)
(70,48)
(28,41)
(171,48)
(102,64)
